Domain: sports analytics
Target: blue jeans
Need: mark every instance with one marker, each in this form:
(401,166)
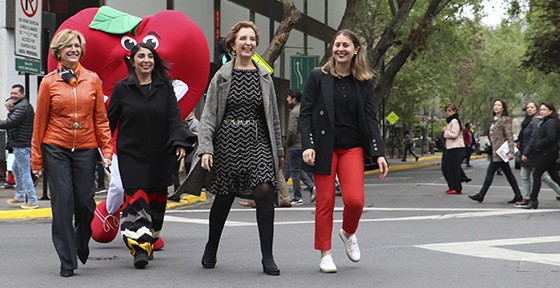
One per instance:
(297,174)
(22,173)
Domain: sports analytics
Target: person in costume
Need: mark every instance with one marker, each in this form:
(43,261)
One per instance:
(70,124)
(151,136)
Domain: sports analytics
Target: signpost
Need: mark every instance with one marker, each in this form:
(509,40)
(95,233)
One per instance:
(300,68)
(28,36)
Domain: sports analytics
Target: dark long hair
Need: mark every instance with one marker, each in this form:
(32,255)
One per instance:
(553,114)
(161,67)
(504,105)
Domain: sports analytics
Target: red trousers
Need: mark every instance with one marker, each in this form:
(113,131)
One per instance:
(349,165)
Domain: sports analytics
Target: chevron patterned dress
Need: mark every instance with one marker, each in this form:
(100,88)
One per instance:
(242,148)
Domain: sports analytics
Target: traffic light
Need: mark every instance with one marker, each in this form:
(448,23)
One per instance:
(223,54)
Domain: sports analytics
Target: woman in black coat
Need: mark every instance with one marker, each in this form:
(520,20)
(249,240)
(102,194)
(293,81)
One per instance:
(150,136)
(339,127)
(546,149)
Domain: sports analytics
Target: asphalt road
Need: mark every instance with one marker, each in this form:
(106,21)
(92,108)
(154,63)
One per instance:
(412,234)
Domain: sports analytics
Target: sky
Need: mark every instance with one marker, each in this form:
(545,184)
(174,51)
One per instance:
(493,8)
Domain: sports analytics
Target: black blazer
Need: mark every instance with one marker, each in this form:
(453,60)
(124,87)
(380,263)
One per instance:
(317,120)
(149,130)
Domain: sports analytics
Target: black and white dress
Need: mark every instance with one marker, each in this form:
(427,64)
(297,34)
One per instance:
(243,155)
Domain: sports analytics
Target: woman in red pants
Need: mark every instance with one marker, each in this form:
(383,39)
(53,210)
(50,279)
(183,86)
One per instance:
(339,128)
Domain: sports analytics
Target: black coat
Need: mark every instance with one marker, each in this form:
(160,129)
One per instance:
(149,131)
(19,124)
(547,137)
(528,141)
(317,120)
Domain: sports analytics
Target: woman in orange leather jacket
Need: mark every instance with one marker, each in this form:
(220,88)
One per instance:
(69,127)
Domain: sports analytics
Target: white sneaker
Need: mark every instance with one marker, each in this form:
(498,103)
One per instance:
(351,244)
(327,265)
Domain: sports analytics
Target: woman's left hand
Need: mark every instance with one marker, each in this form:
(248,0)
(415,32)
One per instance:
(180,152)
(280,162)
(107,162)
(383,169)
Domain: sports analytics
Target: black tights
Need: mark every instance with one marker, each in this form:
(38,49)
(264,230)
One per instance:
(264,200)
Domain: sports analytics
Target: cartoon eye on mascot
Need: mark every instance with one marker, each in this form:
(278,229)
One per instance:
(110,35)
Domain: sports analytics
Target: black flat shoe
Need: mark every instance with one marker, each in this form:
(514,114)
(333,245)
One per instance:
(208,264)
(516,199)
(141,259)
(477,197)
(66,273)
(273,271)
(83,255)
(532,205)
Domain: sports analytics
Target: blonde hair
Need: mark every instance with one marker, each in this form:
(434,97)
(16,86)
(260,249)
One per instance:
(232,33)
(62,38)
(360,66)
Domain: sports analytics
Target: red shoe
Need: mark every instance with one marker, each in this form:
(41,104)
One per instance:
(159,244)
(453,192)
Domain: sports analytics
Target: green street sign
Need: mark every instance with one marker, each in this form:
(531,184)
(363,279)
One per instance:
(392,118)
(300,68)
(28,66)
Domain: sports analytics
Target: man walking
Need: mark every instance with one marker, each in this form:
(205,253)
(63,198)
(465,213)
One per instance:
(20,129)
(293,142)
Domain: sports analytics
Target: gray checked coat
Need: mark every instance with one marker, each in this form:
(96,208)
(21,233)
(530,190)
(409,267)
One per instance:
(215,108)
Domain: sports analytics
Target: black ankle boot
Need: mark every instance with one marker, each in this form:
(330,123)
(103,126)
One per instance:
(272,269)
(477,197)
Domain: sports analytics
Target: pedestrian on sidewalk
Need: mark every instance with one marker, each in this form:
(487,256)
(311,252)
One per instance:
(293,142)
(455,146)
(500,132)
(469,141)
(546,148)
(70,125)
(19,124)
(150,137)
(408,144)
(240,139)
(527,139)
(339,128)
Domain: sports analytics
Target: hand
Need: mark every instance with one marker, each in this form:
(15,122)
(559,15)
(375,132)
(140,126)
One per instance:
(309,157)
(38,173)
(180,152)
(523,158)
(383,169)
(280,162)
(443,129)
(107,163)
(510,156)
(206,162)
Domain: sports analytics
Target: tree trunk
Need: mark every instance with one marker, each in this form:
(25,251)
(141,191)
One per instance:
(349,20)
(416,40)
(291,17)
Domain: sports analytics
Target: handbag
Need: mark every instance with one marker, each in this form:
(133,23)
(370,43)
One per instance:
(370,165)
(197,179)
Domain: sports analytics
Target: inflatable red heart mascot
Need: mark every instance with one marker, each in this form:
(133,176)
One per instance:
(110,35)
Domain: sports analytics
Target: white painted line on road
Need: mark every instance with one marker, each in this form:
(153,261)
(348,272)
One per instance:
(488,249)
(479,214)
(340,209)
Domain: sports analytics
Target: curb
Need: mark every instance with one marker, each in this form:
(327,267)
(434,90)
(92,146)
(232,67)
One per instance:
(47,212)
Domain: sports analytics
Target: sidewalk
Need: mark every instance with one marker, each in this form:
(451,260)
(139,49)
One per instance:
(12,211)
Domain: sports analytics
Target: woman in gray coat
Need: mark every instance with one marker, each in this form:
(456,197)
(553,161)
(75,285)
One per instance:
(240,140)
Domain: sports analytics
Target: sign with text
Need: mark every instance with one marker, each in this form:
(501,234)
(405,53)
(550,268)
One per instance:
(301,66)
(28,66)
(28,28)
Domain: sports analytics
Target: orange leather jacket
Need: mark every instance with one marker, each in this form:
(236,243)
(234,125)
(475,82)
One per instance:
(68,117)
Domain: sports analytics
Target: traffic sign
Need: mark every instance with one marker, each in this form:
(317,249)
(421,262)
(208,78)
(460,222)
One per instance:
(392,118)
(28,66)
(423,121)
(301,66)
(28,28)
